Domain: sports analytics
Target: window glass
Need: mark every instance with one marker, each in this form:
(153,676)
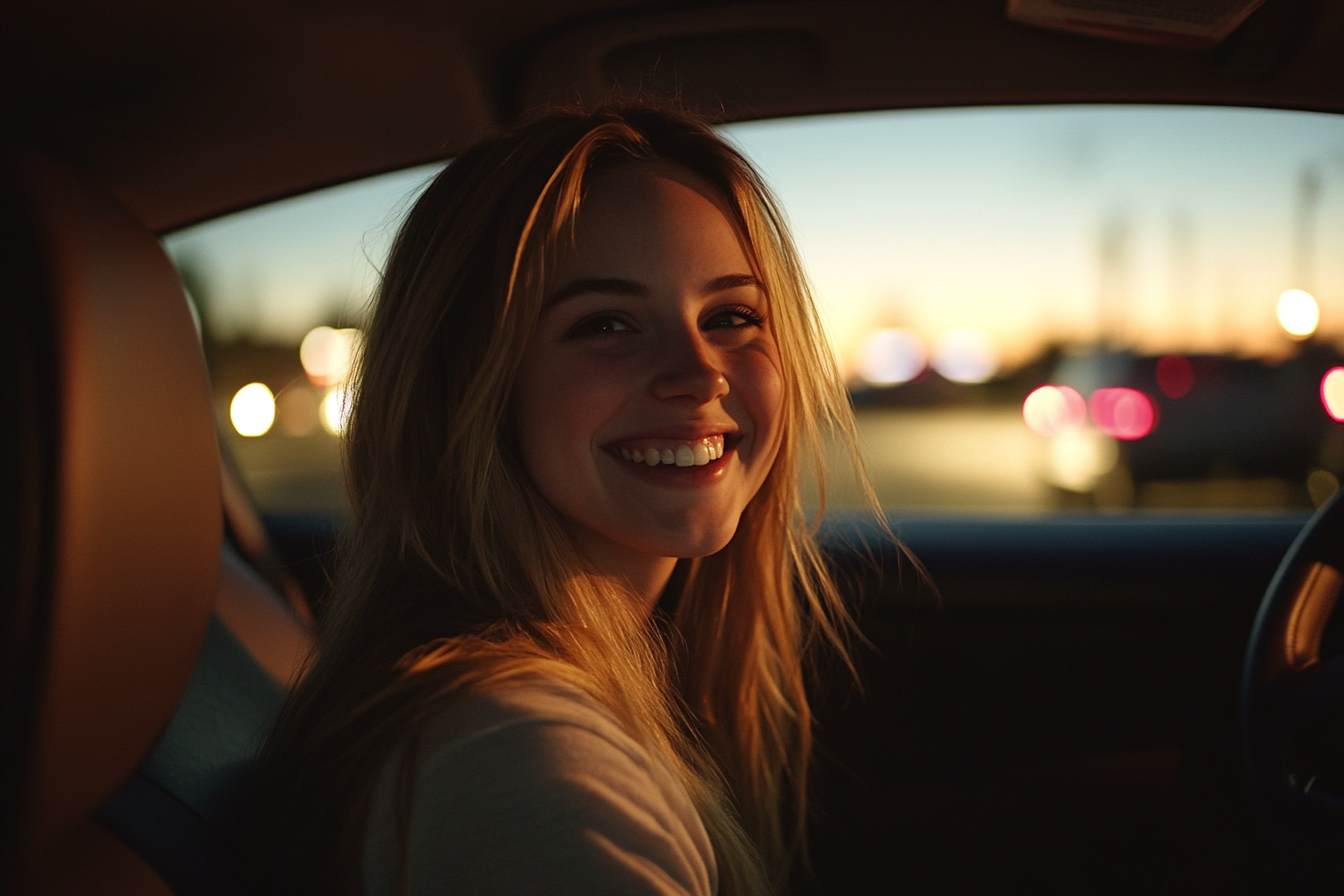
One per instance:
(268,283)
(1035,308)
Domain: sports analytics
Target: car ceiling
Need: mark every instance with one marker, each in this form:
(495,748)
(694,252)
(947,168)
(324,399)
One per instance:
(189,110)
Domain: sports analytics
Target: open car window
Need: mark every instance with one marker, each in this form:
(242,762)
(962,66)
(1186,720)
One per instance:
(1036,308)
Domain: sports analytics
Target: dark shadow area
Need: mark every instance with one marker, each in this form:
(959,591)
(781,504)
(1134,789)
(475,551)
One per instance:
(1062,719)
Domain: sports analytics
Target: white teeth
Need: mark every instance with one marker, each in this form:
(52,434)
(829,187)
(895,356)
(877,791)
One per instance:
(693,454)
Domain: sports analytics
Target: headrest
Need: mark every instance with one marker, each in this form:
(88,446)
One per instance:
(135,528)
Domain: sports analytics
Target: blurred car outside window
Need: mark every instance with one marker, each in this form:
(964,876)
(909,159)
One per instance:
(1035,308)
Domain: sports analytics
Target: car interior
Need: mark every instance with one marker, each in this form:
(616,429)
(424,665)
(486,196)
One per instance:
(1085,699)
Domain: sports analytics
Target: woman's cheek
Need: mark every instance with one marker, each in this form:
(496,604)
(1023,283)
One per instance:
(761,388)
(580,395)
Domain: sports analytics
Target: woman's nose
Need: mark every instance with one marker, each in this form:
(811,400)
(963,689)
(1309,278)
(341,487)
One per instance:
(690,370)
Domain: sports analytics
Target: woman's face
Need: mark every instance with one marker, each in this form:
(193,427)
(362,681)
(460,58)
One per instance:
(649,398)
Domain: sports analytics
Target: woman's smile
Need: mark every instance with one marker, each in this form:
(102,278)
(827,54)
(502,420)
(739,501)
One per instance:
(676,463)
(669,452)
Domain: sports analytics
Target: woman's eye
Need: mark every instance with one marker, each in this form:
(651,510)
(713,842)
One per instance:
(599,325)
(733,317)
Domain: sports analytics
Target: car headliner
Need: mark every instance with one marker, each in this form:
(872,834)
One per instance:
(189,110)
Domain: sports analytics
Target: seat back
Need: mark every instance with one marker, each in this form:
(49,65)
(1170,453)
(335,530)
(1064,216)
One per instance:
(112,523)
(185,809)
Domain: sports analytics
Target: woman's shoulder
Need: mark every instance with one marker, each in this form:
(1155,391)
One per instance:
(535,786)
(522,708)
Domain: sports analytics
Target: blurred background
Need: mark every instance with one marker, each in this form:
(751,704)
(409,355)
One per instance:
(1035,308)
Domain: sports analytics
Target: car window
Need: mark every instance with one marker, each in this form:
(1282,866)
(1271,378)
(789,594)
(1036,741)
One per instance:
(1035,308)
(281,292)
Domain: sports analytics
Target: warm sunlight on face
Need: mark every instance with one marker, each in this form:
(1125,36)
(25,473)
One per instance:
(649,398)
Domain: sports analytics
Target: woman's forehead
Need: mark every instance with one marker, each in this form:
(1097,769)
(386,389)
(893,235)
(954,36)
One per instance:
(630,178)
(654,199)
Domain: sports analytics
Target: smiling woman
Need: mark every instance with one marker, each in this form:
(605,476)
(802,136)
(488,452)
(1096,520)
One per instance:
(565,650)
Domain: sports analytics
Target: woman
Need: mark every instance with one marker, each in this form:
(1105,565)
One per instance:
(565,649)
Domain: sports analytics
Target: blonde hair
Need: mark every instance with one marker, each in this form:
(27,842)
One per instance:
(456,573)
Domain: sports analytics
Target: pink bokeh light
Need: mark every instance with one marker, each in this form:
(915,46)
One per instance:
(1175,375)
(1332,393)
(1126,414)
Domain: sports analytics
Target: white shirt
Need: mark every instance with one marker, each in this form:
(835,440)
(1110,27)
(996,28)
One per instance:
(535,788)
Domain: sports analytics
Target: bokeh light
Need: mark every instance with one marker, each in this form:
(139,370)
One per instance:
(1050,410)
(1175,375)
(1298,313)
(297,409)
(1332,393)
(327,354)
(336,410)
(966,356)
(1126,414)
(252,410)
(892,356)
(1079,457)
(1321,486)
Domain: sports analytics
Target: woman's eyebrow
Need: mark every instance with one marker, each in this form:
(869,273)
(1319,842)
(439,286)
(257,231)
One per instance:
(615,286)
(612,286)
(731,281)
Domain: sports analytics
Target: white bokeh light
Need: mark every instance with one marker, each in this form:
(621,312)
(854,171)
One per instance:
(1050,410)
(327,354)
(252,410)
(1298,313)
(892,356)
(966,356)
(336,410)
(1079,457)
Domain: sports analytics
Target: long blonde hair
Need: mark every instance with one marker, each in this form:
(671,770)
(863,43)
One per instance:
(456,573)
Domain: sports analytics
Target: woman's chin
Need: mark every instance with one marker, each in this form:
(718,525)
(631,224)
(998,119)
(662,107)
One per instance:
(700,542)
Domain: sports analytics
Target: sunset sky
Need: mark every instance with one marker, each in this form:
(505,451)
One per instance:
(991,219)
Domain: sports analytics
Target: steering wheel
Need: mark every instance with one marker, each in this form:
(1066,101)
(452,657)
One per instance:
(1292,706)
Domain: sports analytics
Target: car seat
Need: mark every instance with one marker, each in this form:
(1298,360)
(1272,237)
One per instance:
(144,657)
